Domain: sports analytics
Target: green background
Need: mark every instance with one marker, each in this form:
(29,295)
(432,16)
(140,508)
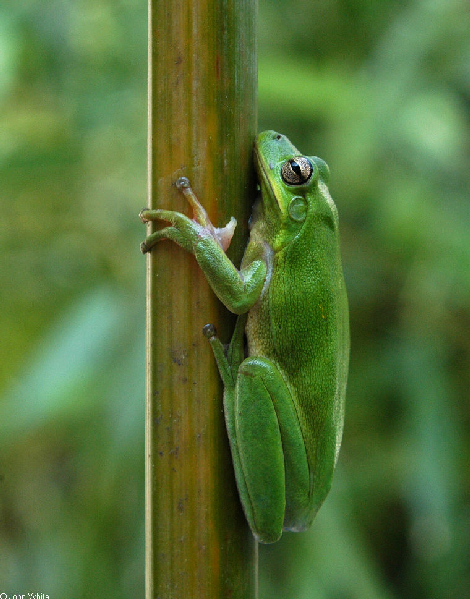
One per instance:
(381,91)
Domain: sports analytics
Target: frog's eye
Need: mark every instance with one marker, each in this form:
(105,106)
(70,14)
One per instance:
(297,171)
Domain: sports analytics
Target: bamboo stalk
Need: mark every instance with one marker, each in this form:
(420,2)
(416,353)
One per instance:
(202,122)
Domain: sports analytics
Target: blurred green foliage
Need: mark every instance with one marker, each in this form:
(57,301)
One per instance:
(73,172)
(381,91)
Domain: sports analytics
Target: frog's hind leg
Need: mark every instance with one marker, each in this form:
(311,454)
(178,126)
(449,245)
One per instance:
(228,362)
(271,451)
(228,358)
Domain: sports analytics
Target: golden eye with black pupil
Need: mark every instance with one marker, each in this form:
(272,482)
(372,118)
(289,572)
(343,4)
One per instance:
(296,171)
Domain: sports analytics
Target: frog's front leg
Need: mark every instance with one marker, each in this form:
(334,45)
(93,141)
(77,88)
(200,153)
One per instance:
(185,231)
(237,290)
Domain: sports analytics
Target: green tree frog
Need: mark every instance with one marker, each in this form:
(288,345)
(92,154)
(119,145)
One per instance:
(283,395)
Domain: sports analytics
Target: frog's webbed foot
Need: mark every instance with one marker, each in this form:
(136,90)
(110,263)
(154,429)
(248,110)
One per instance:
(185,231)
(222,235)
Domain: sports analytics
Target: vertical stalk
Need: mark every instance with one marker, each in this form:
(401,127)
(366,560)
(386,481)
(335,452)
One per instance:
(202,122)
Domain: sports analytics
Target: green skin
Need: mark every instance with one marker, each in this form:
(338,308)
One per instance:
(284,400)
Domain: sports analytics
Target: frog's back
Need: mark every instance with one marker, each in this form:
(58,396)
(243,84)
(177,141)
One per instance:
(302,326)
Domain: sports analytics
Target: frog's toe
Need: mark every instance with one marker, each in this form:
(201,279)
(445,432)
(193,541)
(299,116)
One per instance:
(209,331)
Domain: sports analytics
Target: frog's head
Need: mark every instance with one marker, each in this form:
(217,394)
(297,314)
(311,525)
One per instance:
(293,186)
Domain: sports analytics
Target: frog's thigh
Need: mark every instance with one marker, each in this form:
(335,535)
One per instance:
(271,449)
